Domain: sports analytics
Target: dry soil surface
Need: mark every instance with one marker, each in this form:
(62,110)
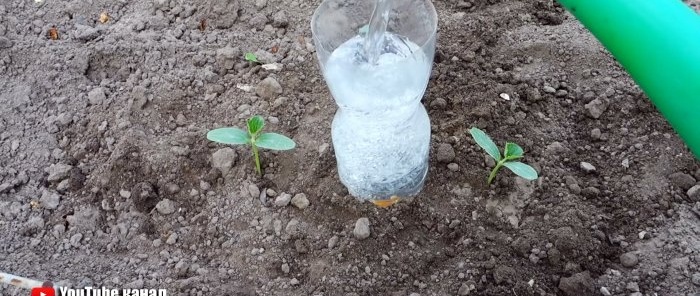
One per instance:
(107,179)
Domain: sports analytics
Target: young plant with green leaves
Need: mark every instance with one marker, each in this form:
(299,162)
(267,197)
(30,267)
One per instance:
(253,137)
(511,154)
(251,57)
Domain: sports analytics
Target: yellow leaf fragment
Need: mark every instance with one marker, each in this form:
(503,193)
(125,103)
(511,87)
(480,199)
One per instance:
(53,33)
(104,17)
(385,203)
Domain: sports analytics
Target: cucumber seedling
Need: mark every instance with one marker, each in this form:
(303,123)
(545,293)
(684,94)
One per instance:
(251,57)
(253,137)
(511,153)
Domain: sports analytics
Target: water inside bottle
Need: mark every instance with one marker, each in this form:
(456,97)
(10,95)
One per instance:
(381,133)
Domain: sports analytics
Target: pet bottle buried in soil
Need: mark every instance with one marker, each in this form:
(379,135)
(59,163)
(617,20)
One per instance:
(381,131)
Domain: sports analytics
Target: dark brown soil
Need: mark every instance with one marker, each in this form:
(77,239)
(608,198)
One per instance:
(127,104)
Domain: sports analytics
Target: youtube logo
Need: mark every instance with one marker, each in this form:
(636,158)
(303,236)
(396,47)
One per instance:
(43,291)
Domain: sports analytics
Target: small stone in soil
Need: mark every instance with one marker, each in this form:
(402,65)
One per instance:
(75,240)
(629,260)
(263,198)
(333,241)
(181,120)
(300,201)
(58,172)
(292,227)
(642,234)
(96,96)
(695,279)
(283,200)
(445,153)
(632,287)
(268,88)
(279,19)
(604,291)
(204,185)
(323,148)
(285,268)
(694,193)
(438,104)
(587,167)
(172,239)
(362,230)
(223,159)
(453,167)
(50,199)
(125,193)
(165,207)
(465,289)
(489,161)
(556,148)
(596,108)
(254,191)
(172,188)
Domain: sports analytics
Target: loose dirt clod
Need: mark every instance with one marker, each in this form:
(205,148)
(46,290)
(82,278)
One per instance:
(53,33)
(283,199)
(300,201)
(629,260)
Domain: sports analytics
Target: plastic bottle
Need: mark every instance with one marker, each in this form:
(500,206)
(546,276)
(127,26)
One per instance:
(381,131)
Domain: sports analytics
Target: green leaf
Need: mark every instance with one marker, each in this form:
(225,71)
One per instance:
(522,170)
(249,56)
(512,151)
(229,135)
(255,124)
(485,142)
(274,141)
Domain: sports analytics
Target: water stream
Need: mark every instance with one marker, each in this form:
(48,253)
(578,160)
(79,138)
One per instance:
(375,38)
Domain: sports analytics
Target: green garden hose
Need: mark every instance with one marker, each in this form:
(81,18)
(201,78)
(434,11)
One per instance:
(658,43)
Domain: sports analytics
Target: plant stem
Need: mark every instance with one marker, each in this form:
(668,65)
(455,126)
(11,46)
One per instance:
(257,159)
(495,170)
